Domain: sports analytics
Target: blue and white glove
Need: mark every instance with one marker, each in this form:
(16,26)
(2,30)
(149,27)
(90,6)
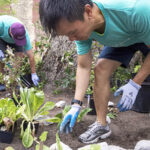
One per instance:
(1,55)
(70,119)
(35,79)
(129,92)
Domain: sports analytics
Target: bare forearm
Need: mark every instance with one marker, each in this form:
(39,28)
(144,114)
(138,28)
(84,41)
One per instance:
(82,80)
(32,65)
(31,61)
(144,71)
(83,75)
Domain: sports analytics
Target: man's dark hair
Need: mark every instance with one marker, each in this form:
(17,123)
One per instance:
(51,11)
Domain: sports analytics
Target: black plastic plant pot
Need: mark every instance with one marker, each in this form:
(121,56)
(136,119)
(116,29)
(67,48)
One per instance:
(142,102)
(26,80)
(15,100)
(36,125)
(7,136)
(91,105)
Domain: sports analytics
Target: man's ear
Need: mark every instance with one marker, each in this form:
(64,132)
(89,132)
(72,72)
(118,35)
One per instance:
(88,10)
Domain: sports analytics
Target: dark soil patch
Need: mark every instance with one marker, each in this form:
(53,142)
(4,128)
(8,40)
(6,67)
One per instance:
(127,129)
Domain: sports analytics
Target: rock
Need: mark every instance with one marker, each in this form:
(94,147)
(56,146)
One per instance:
(98,146)
(113,147)
(42,120)
(60,104)
(110,104)
(108,119)
(64,146)
(143,145)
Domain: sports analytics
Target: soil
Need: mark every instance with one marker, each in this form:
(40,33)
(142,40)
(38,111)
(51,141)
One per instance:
(127,128)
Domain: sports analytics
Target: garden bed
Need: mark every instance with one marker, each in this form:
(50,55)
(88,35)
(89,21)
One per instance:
(127,129)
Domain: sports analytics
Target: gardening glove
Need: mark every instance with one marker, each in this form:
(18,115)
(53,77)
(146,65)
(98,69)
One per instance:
(70,119)
(1,55)
(129,92)
(35,79)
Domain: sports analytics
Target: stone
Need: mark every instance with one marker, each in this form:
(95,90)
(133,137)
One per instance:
(143,145)
(64,146)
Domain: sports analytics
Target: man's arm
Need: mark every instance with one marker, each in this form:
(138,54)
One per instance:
(84,64)
(144,71)
(31,60)
(130,90)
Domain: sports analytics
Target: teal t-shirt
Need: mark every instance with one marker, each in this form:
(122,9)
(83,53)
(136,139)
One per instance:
(127,22)
(5,23)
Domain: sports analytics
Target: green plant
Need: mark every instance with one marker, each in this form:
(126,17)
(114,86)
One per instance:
(120,77)
(59,117)
(40,144)
(136,68)
(9,113)
(112,115)
(58,142)
(68,80)
(9,148)
(5,7)
(32,103)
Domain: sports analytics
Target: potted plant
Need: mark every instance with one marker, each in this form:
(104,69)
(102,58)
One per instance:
(32,102)
(9,114)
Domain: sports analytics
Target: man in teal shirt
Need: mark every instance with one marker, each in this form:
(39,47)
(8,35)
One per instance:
(14,34)
(123,27)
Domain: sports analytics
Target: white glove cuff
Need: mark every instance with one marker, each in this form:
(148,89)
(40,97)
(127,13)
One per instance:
(34,74)
(76,106)
(137,86)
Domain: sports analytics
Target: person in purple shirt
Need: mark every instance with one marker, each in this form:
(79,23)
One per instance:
(14,34)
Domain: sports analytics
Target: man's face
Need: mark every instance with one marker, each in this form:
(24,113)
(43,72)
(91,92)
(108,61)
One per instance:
(76,30)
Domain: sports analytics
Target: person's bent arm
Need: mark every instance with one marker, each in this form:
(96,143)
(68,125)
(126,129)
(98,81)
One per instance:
(31,60)
(130,90)
(82,80)
(34,76)
(84,64)
(144,71)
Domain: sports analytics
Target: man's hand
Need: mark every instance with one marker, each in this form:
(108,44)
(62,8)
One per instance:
(1,55)
(129,92)
(35,79)
(70,119)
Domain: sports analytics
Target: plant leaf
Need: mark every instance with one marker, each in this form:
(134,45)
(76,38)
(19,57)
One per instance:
(83,113)
(44,147)
(95,147)
(54,120)
(58,142)
(47,106)
(27,139)
(43,136)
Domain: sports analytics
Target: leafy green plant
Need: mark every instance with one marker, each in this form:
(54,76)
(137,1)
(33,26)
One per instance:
(92,147)
(120,77)
(40,144)
(9,113)
(5,7)
(10,76)
(68,81)
(58,142)
(112,115)
(59,117)
(9,148)
(136,68)
(32,103)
